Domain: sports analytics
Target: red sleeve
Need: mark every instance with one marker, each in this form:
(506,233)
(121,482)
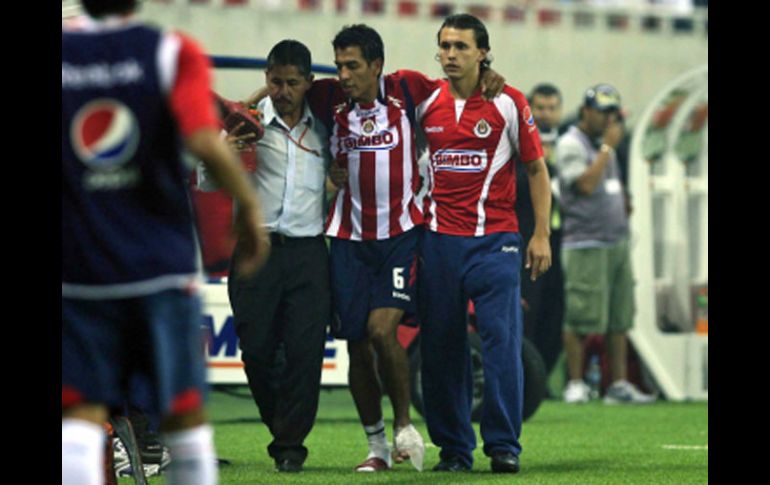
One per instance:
(530,148)
(191,98)
(322,96)
(420,86)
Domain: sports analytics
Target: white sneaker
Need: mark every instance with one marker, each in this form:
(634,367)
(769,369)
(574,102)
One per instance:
(576,391)
(623,392)
(409,443)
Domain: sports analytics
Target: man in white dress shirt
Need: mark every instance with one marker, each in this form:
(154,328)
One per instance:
(281,313)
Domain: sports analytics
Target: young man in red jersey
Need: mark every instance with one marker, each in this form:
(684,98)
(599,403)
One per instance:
(472,250)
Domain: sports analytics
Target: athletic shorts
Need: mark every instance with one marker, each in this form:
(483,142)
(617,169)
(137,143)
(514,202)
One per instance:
(106,343)
(367,275)
(599,289)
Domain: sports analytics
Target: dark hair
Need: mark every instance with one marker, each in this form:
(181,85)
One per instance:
(465,21)
(290,52)
(100,8)
(363,36)
(545,89)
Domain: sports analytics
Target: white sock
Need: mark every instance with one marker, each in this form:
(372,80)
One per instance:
(82,452)
(193,460)
(378,441)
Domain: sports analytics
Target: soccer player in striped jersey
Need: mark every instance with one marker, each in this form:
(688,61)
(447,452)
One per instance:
(374,225)
(472,250)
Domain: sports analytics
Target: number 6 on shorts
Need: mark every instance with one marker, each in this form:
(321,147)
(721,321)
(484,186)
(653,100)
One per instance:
(398,278)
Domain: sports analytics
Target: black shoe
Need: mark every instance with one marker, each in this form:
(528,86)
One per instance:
(288,465)
(451,464)
(505,462)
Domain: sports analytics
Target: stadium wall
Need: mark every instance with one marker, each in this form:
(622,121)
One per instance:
(639,62)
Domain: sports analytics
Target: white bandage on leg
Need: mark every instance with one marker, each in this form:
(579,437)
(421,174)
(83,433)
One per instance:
(82,452)
(193,460)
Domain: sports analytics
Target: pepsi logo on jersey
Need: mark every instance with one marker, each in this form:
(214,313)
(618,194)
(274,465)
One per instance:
(459,160)
(104,134)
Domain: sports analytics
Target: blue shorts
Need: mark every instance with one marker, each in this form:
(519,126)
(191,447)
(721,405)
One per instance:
(107,343)
(367,275)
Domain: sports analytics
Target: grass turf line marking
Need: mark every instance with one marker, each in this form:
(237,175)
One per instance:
(686,447)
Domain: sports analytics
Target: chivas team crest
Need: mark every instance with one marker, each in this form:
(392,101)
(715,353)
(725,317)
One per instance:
(368,127)
(482,129)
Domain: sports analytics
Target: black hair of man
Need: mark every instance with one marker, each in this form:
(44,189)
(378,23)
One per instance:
(290,52)
(364,37)
(546,90)
(100,8)
(465,21)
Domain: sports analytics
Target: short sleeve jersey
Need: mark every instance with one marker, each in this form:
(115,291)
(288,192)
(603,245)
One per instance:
(474,145)
(376,143)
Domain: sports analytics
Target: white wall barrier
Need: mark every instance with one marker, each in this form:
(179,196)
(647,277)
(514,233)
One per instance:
(572,45)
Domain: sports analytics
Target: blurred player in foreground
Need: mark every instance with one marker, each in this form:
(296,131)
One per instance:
(132,96)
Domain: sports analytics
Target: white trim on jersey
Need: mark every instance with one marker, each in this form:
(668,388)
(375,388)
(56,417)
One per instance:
(405,221)
(507,106)
(336,222)
(503,153)
(130,290)
(419,113)
(168,60)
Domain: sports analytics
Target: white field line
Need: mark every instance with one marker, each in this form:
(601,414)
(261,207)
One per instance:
(686,447)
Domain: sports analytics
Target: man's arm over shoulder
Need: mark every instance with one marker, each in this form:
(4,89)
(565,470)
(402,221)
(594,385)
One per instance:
(324,94)
(420,86)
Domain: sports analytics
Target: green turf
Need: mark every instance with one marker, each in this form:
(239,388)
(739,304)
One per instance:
(586,444)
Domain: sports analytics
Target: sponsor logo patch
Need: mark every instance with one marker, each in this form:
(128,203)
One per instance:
(459,160)
(104,134)
(384,140)
(526,114)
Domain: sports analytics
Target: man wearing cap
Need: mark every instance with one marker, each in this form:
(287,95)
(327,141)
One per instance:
(599,283)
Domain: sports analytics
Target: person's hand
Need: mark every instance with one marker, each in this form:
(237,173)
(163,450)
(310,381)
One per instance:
(253,242)
(538,256)
(337,174)
(492,84)
(613,134)
(240,142)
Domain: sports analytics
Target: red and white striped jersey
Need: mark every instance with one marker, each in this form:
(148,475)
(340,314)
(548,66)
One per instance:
(376,144)
(473,147)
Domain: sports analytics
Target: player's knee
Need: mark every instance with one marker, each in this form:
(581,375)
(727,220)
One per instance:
(381,334)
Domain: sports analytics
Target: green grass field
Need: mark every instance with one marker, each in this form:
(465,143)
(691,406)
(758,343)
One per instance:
(664,443)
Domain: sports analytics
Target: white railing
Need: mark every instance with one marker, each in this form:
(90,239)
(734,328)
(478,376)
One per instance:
(669,181)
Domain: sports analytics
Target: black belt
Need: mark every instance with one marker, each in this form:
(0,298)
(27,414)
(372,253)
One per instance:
(278,239)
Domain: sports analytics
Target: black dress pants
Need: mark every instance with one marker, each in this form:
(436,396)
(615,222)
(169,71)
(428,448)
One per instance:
(286,306)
